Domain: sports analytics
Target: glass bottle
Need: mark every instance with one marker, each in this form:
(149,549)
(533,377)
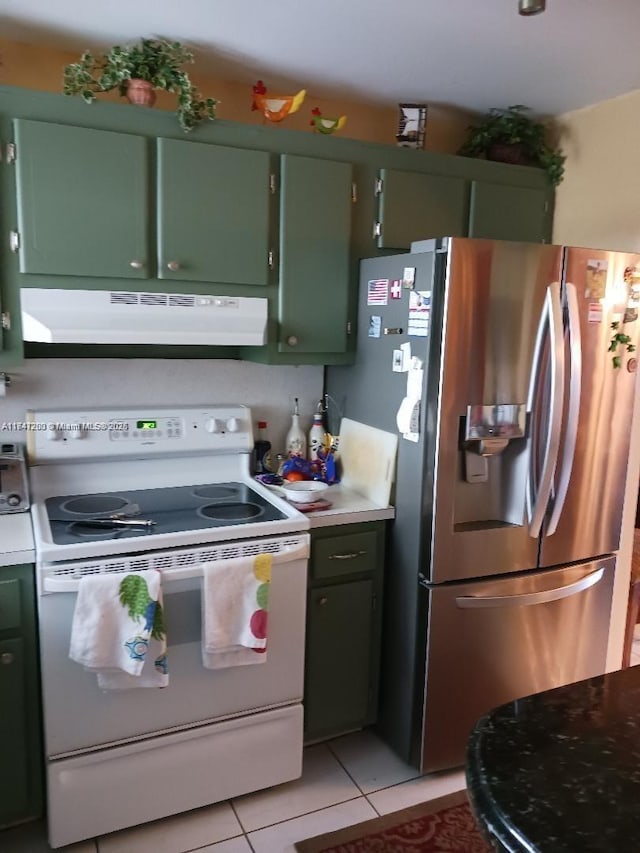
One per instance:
(296,439)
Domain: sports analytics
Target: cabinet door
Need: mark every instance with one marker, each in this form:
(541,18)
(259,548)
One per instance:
(499,212)
(213,213)
(315,239)
(82,201)
(413,206)
(14,766)
(339,639)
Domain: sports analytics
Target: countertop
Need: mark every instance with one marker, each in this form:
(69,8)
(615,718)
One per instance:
(16,539)
(348,507)
(560,770)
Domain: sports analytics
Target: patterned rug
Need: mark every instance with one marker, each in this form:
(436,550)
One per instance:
(445,824)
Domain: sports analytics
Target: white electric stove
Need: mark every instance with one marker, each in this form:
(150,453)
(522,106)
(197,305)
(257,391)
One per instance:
(132,489)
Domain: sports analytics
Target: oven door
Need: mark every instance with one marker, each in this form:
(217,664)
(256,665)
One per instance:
(79,716)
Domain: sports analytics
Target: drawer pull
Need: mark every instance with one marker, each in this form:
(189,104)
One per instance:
(352,555)
(6,658)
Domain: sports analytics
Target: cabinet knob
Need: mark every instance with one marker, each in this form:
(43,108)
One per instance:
(136,265)
(6,658)
(322,601)
(174,266)
(292,340)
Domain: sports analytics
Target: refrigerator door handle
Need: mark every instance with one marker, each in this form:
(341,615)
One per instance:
(529,598)
(573,411)
(551,318)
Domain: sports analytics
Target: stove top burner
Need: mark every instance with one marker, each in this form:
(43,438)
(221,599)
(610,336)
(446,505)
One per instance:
(174,510)
(215,492)
(79,530)
(93,504)
(230,511)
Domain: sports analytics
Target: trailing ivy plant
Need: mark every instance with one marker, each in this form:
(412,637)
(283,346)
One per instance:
(157,61)
(511,126)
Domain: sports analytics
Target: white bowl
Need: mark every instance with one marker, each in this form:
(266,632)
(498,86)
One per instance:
(303,491)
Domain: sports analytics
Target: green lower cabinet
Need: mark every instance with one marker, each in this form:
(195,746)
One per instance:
(21,778)
(343,629)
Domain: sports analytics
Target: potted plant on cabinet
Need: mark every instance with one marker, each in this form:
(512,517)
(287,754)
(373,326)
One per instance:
(136,71)
(510,136)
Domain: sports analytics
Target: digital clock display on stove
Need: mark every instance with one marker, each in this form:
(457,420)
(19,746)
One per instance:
(146,424)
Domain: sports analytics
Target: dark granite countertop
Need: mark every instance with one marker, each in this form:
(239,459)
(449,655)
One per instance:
(560,771)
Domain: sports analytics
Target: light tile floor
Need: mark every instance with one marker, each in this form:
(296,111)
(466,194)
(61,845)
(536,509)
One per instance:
(344,781)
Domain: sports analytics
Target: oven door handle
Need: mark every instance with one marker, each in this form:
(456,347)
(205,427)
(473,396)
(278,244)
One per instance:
(71,582)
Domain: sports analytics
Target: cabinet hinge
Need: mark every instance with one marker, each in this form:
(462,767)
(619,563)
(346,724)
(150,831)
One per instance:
(378,186)
(14,240)
(5,317)
(272,184)
(377,229)
(354,192)
(349,327)
(546,207)
(271,259)
(11,152)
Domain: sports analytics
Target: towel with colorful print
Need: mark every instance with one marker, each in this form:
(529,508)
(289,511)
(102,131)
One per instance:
(118,630)
(235,604)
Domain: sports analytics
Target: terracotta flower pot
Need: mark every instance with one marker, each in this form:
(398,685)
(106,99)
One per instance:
(141,92)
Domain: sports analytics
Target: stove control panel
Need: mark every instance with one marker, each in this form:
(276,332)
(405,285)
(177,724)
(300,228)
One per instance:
(54,436)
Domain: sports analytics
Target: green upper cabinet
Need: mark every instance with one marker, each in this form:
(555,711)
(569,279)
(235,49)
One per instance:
(315,247)
(501,212)
(213,213)
(414,206)
(82,201)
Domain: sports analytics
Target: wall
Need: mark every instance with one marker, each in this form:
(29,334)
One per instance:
(41,67)
(58,383)
(598,204)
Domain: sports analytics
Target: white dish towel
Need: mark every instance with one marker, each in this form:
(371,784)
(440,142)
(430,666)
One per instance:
(235,604)
(118,630)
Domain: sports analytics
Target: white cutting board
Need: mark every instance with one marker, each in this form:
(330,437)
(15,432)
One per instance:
(368,459)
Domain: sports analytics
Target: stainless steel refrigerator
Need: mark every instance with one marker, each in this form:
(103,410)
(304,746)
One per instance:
(510,475)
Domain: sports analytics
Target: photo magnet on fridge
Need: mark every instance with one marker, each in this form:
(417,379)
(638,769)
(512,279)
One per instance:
(375,326)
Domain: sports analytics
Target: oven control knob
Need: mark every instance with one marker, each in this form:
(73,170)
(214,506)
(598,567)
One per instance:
(78,433)
(53,434)
(214,425)
(233,425)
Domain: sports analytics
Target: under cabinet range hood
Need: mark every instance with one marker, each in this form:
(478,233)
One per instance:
(126,317)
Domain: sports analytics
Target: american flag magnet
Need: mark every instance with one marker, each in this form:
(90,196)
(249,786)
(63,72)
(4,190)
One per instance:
(395,291)
(378,291)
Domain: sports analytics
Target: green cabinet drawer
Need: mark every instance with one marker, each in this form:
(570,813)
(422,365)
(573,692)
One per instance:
(343,555)
(9,604)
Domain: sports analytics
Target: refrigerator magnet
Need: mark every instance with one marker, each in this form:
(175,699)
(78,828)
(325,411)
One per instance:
(409,278)
(395,290)
(419,313)
(375,326)
(378,291)
(595,312)
(596,279)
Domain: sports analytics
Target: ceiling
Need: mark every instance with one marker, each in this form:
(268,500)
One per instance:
(473,54)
